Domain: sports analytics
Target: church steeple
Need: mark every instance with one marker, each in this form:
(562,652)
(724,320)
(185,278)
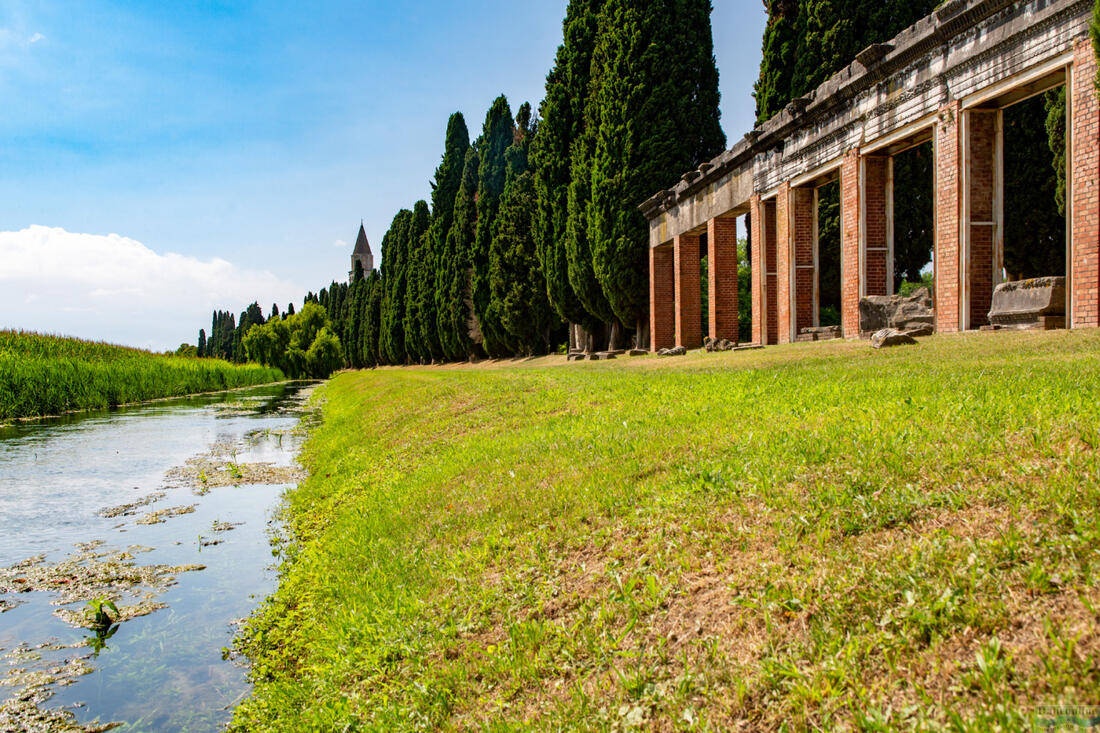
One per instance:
(361,254)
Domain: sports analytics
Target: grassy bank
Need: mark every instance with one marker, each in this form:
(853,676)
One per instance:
(812,536)
(48,375)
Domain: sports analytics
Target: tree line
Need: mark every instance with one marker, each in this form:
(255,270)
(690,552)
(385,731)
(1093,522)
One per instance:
(532,238)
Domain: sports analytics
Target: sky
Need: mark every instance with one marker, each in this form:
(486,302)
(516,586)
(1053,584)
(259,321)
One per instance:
(159,160)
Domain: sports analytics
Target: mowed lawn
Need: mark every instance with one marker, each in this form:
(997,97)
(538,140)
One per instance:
(806,537)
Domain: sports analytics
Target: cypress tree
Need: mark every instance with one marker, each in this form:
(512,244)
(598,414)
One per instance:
(391,339)
(497,136)
(372,320)
(653,113)
(418,280)
(517,285)
(773,88)
(445,188)
(561,124)
(456,310)
(201,350)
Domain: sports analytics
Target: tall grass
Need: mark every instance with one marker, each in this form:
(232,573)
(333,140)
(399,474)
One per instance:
(49,375)
(810,537)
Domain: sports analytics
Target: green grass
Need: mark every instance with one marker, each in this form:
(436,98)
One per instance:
(49,375)
(810,537)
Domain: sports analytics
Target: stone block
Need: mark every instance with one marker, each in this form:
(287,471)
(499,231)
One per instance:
(1023,304)
(877,312)
(887,337)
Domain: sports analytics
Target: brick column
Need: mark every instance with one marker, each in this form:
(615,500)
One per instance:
(689,291)
(849,243)
(722,277)
(802,247)
(1084,173)
(759,276)
(783,264)
(662,298)
(980,224)
(948,203)
(771,287)
(876,248)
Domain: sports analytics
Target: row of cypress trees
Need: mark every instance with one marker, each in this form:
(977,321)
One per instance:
(535,224)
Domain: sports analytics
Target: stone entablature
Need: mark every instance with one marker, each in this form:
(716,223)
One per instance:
(943,79)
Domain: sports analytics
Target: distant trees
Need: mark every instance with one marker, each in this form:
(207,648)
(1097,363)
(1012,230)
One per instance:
(301,345)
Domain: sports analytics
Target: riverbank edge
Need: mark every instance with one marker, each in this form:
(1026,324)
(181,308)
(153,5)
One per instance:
(153,401)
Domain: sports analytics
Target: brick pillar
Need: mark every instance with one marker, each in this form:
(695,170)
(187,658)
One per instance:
(1084,173)
(662,298)
(771,288)
(759,276)
(783,264)
(722,277)
(981,224)
(689,291)
(876,249)
(948,208)
(802,247)
(849,243)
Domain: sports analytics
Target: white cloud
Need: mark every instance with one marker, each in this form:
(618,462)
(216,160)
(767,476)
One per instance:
(339,243)
(117,289)
(35,39)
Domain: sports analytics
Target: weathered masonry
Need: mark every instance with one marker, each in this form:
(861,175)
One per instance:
(946,80)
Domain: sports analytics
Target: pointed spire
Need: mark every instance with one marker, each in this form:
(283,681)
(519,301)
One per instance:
(362,246)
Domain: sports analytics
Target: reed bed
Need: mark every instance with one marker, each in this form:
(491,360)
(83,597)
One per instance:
(49,375)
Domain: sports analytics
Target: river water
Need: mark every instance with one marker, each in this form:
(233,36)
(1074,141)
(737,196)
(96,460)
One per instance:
(165,671)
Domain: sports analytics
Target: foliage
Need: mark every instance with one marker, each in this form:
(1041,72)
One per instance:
(846,539)
(456,311)
(445,190)
(395,246)
(1034,228)
(498,134)
(49,375)
(301,345)
(561,124)
(517,286)
(652,114)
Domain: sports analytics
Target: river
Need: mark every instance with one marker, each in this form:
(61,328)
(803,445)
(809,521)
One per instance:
(168,509)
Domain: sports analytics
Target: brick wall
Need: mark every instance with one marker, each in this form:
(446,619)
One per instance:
(759,276)
(877,249)
(783,264)
(803,216)
(981,137)
(689,291)
(722,277)
(948,202)
(662,298)
(1085,190)
(849,244)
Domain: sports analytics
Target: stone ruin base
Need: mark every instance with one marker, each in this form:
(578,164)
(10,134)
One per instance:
(819,333)
(1035,304)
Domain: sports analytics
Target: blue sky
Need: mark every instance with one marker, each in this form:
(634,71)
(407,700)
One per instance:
(258,134)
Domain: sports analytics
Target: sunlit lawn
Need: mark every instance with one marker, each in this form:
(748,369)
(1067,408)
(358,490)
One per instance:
(811,536)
